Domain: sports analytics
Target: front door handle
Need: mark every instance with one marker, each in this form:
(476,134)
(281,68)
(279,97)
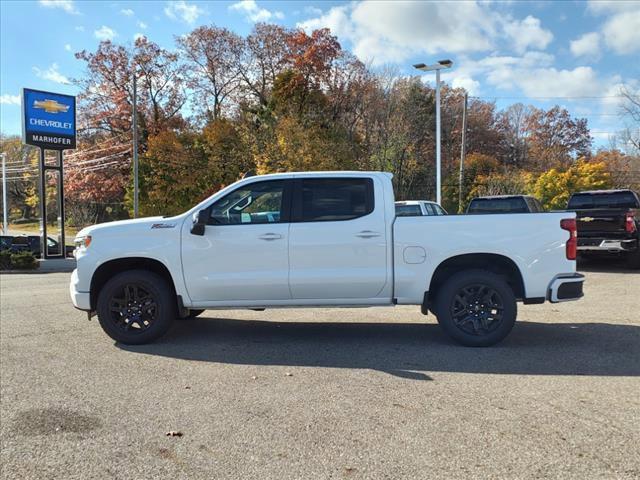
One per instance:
(367,234)
(270,236)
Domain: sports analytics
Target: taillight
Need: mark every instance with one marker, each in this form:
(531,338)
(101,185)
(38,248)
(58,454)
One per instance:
(630,224)
(569,224)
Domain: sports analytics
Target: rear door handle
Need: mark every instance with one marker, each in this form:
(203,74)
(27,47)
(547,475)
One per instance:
(367,234)
(270,236)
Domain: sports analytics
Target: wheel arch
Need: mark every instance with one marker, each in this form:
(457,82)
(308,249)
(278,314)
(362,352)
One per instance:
(108,269)
(492,262)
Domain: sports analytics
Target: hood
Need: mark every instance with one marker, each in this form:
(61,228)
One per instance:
(132,225)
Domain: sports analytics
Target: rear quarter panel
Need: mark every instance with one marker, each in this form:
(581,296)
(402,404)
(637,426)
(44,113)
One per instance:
(533,241)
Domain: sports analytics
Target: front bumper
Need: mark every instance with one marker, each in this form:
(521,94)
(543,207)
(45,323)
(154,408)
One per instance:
(607,245)
(566,288)
(80,300)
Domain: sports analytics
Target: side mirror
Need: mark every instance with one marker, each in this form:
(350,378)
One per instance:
(200,220)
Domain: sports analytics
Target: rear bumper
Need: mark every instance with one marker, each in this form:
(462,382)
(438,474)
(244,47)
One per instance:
(566,288)
(80,300)
(605,245)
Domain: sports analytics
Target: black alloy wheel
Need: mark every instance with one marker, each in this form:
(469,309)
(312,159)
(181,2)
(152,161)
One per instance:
(133,308)
(477,308)
(136,307)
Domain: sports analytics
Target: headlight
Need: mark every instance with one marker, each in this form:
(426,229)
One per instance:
(83,242)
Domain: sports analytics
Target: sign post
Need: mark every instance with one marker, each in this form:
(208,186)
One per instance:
(49,122)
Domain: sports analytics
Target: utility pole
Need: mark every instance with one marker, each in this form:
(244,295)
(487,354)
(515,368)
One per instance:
(135,145)
(5,203)
(463,151)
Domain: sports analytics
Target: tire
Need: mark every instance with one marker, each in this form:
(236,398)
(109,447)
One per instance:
(122,302)
(483,325)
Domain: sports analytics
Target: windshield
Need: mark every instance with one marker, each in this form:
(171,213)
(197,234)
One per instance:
(581,201)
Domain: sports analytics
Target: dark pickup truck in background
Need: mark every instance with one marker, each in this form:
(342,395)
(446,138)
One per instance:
(608,223)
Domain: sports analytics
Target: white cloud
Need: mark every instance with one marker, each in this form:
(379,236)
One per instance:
(622,32)
(464,81)
(127,12)
(533,74)
(254,13)
(142,25)
(51,74)
(79,28)
(551,82)
(67,47)
(588,45)
(105,33)
(188,13)
(66,5)
(527,33)
(383,32)
(7,99)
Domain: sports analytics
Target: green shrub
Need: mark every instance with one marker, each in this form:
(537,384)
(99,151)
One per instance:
(5,260)
(24,261)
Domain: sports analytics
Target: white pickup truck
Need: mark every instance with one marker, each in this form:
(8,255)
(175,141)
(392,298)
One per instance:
(324,239)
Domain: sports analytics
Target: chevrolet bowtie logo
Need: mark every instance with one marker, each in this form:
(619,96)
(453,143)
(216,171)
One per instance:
(587,219)
(50,106)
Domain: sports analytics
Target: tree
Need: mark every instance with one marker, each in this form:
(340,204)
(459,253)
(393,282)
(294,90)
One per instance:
(300,147)
(22,172)
(554,187)
(211,55)
(262,58)
(173,173)
(556,139)
(513,124)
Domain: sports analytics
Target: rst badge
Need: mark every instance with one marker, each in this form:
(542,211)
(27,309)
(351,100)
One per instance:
(48,119)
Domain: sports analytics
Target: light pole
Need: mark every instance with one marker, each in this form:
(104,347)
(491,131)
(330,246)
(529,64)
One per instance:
(135,143)
(428,68)
(5,204)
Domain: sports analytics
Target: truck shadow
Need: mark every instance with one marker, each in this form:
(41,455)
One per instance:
(606,265)
(406,350)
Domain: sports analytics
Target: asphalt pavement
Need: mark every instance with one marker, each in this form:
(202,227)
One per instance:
(314,394)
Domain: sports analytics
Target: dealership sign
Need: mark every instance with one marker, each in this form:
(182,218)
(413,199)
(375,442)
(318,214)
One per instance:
(48,119)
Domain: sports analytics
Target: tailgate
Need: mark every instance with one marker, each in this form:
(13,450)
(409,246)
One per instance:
(601,222)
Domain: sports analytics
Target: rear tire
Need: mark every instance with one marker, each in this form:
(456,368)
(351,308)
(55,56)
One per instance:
(476,308)
(136,307)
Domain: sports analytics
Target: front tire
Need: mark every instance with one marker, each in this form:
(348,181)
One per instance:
(136,307)
(476,308)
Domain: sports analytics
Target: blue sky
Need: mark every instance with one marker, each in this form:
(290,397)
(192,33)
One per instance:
(579,52)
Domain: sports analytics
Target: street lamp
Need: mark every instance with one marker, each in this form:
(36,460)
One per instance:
(5,204)
(429,68)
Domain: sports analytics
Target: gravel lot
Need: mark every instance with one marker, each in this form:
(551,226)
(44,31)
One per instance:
(360,393)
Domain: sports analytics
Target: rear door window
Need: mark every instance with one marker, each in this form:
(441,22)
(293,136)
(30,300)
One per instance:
(408,211)
(333,199)
(430,210)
